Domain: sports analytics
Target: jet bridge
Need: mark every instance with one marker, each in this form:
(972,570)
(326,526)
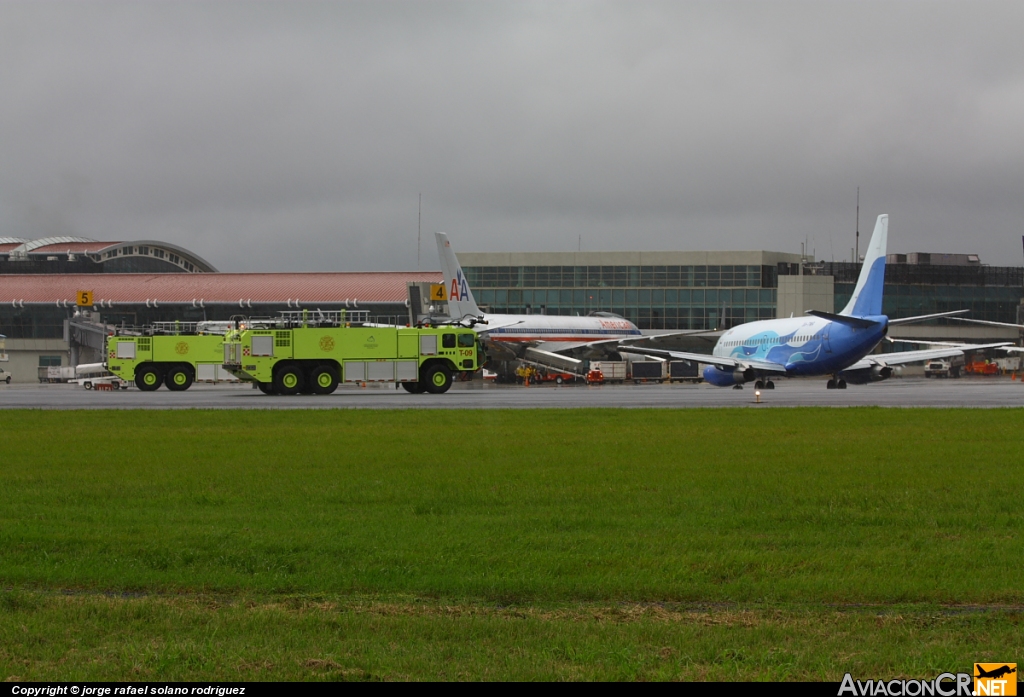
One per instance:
(86,339)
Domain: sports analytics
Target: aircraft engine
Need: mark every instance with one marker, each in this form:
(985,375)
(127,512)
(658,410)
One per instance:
(726,378)
(875,373)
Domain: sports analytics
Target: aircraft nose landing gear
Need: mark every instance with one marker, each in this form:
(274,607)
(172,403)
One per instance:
(834,384)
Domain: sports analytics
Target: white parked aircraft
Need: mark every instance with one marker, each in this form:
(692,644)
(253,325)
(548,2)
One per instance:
(553,339)
(523,328)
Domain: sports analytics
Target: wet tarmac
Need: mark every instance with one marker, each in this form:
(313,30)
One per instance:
(902,392)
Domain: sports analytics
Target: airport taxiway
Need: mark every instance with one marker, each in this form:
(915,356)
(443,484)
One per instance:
(905,392)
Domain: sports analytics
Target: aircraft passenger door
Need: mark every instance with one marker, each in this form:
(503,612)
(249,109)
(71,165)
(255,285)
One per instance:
(824,338)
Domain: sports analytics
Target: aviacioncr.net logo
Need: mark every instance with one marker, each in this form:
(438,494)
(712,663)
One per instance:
(945,685)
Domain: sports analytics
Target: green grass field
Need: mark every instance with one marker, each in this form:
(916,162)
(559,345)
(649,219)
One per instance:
(508,544)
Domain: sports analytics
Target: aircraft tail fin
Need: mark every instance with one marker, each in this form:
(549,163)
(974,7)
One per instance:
(867,295)
(460,298)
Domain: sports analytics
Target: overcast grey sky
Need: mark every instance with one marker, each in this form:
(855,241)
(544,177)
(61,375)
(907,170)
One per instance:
(295,136)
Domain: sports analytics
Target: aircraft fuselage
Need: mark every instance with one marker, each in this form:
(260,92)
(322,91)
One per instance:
(538,328)
(803,345)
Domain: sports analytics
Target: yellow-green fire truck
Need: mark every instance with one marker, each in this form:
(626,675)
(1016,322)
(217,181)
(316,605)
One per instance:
(164,353)
(301,356)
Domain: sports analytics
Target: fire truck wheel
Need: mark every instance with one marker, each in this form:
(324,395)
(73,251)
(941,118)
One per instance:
(438,379)
(288,380)
(179,378)
(413,387)
(265,387)
(323,380)
(148,378)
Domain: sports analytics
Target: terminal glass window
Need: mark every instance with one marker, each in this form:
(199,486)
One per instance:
(48,361)
(704,297)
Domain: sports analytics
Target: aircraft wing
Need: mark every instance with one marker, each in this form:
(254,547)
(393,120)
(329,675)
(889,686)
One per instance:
(482,328)
(568,346)
(1005,345)
(902,357)
(671,335)
(991,324)
(624,344)
(706,359)
(924,318)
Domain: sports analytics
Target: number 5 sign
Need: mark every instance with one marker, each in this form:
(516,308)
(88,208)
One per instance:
(84,298)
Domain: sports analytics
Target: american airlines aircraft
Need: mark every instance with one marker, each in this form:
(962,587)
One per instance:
(552,339)
(823,343)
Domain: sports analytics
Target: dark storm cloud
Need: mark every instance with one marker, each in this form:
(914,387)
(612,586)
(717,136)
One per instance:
(297,136)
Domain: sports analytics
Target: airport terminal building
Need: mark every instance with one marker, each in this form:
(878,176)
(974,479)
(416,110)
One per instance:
(718,290)
(138,282)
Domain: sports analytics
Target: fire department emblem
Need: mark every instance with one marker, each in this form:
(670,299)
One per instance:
(326,344)
(181,348)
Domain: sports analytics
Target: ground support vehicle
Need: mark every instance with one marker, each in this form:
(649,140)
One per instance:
(613,371)
(168,353)
(982,368)
(939,369)
(649,371)
(5,377)
(95,376)
(1008,365)
(56,373)
(557,377)
(314,357)
(684,371)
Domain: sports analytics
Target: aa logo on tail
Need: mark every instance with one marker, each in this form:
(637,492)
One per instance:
(460,289)
(995,679)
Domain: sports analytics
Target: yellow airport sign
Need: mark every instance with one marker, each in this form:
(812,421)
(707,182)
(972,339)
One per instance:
(437,291)
(83,298)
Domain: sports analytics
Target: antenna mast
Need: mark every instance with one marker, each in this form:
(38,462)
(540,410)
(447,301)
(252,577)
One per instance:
(856,254)
(419,228)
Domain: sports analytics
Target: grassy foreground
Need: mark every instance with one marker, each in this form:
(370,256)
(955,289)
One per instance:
(518,544)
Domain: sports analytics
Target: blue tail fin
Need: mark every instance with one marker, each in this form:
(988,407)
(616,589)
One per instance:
(867,296)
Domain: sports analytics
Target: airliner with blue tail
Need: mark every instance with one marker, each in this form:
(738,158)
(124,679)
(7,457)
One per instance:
(820,343)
